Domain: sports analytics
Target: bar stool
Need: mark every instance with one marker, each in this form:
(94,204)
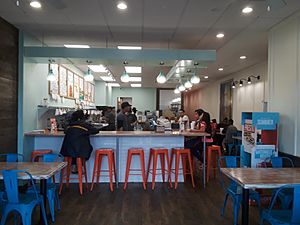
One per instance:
(139,152)
(80,163)
(183,153)
(210,150)
(37,154)
(163,153)
(111,166)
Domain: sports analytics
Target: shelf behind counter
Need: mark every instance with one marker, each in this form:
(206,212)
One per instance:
(120,141)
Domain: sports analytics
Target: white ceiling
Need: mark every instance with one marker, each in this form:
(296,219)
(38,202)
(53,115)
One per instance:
(174,24)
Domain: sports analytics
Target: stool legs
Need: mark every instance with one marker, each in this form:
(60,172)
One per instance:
(127,170)
(142,159)
(154,170)
(191,169)
(79,167)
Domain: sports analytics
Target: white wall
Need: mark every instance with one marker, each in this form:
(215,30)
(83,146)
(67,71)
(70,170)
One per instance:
(142,98)
(246,98)
(284,81)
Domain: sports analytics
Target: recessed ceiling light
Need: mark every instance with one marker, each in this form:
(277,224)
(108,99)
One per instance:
(243,57)
(98,68)
(205,77)
(135,79)
(221,69)
(122,5)
(77,46)
(113,84)
(136,85)
(133,69)
(129,47)
(247,10)
(35,4)
(220,35)
(107,78)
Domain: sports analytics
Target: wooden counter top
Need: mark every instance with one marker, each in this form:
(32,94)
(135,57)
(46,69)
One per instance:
(124,134)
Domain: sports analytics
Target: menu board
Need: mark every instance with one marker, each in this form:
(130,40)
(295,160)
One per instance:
(70,83)
(76,86)
(63,81)
(53,85)
(86,91)
(81,88)
(93,93)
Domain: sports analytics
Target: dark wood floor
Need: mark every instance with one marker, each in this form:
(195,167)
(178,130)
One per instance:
(163,206)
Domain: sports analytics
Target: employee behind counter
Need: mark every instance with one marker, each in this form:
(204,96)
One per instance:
(126,120)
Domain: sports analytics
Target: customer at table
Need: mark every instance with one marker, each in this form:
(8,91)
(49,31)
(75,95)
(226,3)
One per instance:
(183,118)
(76,142)
(123,118)
(230,131)
(202,124)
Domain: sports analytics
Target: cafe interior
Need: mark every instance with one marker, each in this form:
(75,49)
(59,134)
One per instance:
(150,112)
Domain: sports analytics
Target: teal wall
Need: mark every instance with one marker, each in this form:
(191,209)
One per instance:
(142,98)
(100,93)
(35,90)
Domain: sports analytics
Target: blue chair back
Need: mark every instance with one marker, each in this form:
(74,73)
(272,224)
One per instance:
(52,158)
(10,178)
(230,162)
(12,157)
(278,162)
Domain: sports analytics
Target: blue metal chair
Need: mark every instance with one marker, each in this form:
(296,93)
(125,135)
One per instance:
(21,203)
(234,190)
(283,216)
(286,196)
(52,189)
(12,157)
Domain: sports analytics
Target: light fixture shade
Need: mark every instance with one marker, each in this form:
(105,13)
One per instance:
(233,84)
(181,88)
(161,78)
(249,80)
(195,79)
(188,84)
(125,78)
(241,83)
(176,91)
(51,76)
(89,76)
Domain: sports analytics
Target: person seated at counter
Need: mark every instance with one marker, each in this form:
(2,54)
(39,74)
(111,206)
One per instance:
(76,142)
(183,118)
(230,131)
(124,120)
(202,124)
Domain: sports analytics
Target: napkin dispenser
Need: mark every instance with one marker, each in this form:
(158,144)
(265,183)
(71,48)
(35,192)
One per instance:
(160,129)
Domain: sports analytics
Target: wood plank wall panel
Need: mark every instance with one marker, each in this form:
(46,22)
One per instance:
(8,87)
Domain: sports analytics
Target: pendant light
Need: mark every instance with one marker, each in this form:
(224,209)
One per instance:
(181,88)
(176,90)
(125,78)
(161,78)
(51,76)
(188,84)
(233,84)
(89,76)
(195,79)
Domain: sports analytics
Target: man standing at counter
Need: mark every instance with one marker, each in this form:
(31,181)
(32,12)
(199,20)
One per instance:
(123,118)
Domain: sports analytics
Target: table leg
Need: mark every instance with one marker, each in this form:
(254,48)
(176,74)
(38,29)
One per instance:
(117,161)
(245,207)
(43,191)
(204,162)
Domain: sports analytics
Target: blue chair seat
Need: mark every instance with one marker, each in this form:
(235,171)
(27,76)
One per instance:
(278,216)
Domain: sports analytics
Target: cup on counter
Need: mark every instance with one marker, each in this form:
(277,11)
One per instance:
(221,130)
(193,125)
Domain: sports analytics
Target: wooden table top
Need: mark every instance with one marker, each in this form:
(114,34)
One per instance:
(263,177)
(38,170)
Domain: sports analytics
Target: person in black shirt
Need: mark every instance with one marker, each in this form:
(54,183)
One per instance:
(77,137)
(123,118)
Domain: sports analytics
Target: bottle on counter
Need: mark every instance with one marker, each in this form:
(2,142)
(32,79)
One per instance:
(53,127)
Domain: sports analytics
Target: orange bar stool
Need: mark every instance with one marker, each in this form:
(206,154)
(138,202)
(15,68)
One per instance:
(37,154)
(210,150)
(132,152)
(111,166)
(183,153)
(163,153)
(66,176)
